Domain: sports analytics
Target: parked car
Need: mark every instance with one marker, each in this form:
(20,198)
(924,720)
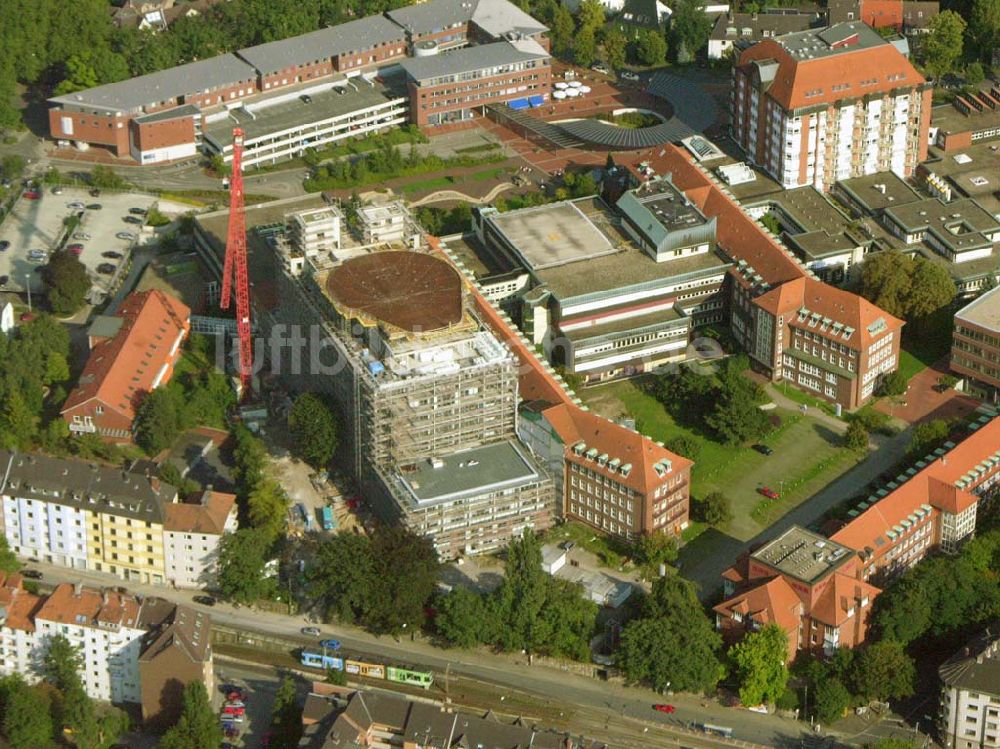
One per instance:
(306,99)
(203,600)
(330,644)
(768,492)
(112,254)
(94,207)
(628,75)
(57,190)
(95,193)
(81,235)
(311,631)
(106,269)
(75,249)
(126,235)
(665,708)
(600,67)
(76,205)
(32,195)
(132,220)
(4,245)
(4,280)
(31,574)
(763,449)
(137,211)
(37,255)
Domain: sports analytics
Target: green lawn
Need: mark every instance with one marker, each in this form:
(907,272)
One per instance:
(910,365)
(435,183)
(807,456)
(917,352)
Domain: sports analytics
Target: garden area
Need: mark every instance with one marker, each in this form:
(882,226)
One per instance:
(806,456)
(630,120)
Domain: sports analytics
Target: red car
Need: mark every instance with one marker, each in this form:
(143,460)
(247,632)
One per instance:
(768,492)
(75,249)
(32,195)
(669,709)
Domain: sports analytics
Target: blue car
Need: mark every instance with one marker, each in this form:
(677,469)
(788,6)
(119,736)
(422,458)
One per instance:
(330,644)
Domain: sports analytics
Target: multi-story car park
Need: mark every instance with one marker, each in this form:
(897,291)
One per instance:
(313,89)
(816,106)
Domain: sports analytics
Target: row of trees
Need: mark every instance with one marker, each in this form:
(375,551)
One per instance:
(911,288)
(34,715)
(530,610)
(969,31)
(726,403)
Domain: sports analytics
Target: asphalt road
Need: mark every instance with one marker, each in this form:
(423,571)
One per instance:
(596,702)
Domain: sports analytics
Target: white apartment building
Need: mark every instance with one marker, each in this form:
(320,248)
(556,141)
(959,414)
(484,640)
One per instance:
(105,627)
(817,106)
(970,694)
(42,528)
(315,231)
(192,533)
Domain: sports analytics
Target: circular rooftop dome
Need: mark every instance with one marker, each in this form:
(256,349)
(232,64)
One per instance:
(413,291)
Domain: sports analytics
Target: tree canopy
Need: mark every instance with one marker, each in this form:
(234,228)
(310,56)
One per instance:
(761,668)
(673,643)
(909,288)
(198,725)
(242,557)
(68,282)
(690,27)
(942,47)
(314,428)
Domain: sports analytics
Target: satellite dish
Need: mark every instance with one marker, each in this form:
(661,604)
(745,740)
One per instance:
(7,318)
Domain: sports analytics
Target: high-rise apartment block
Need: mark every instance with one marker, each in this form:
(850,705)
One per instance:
(970,694)
(822,105)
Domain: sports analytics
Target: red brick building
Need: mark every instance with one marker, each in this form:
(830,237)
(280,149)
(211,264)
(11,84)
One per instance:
(804,583)
(975,345)
(131,354)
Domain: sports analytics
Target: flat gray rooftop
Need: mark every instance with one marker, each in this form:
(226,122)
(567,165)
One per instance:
(984,311)
(829,41)
(879,191)
(552,235)
(811,210)
(325,105)
(802,554)
(468,473)
(954,220)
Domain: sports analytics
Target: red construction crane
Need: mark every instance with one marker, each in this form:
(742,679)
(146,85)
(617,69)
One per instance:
(236,264)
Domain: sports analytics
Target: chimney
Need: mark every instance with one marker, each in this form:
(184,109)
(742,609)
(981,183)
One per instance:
(77,588)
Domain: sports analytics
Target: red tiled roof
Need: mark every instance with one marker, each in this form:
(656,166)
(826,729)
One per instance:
(882,13)
(851,66)
(68,605)
(829,301)
(205,513)
(120,369)
(840,596)
(773,602)
(737,234)
(18,604)
(574,425)
(929,486)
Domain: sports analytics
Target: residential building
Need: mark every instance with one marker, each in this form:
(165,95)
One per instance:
(176,650)
(132,353)
(638,16)
(975,345)
(909,17)
(804,583)
(970,694)
(613,292)
(386,223)
(94,517)
(372,719)
(817,106)
(737,31)
(449,87)
(315,231)
(126,642)
(192,534)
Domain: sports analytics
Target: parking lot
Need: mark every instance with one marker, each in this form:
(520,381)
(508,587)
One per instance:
(40,225)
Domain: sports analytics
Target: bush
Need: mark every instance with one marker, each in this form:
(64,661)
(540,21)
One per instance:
(894,383)
(714,509)
(687,447)
(788,700)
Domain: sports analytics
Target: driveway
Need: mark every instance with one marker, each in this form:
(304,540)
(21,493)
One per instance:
(922,402)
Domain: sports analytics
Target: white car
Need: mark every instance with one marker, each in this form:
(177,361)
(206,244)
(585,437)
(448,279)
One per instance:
(628,75)
(126,235)
(37,255)
(76,205)
(81,235)
(600,67)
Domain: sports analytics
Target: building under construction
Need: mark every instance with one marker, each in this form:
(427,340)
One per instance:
(429,395)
